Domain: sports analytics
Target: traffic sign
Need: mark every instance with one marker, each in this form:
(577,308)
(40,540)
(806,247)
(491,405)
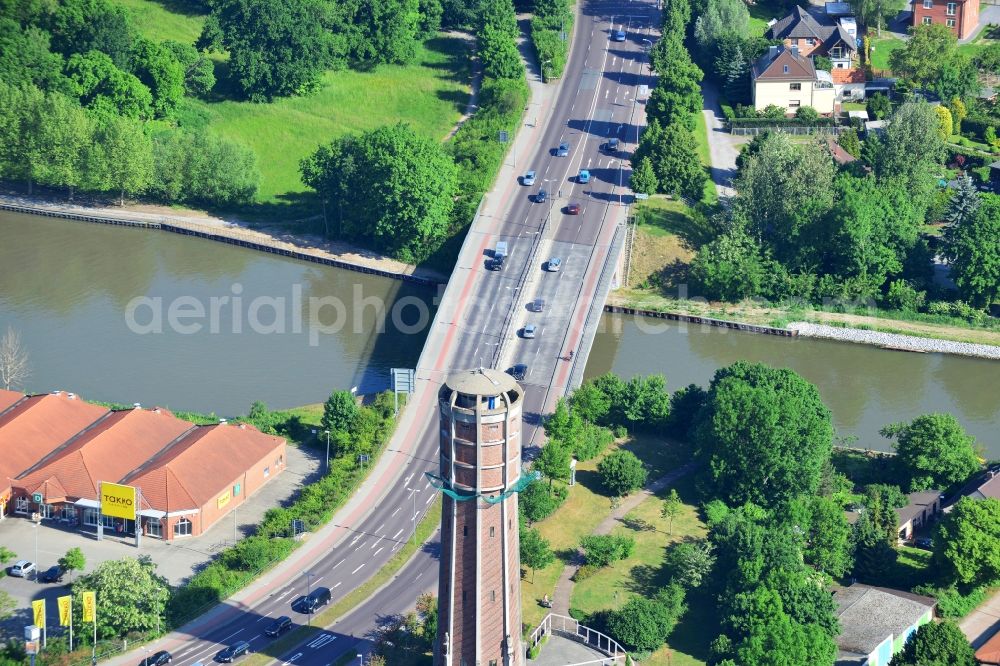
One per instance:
(37,498)
(503,136)
(640,196)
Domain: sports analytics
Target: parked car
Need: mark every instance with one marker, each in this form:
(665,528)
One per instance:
(22,569)
(518,372)
(157,659)
(563,149)
(528,332)
(618,36)
(53,574)
(555,263)
(281,624)
(318,597)
(583,177)
(924,542)
(573,209)
(611,146)
(541,197)
(528,178)
(237,649)
(537,305)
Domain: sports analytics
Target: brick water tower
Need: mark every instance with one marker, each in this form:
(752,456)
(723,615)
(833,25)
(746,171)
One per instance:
(479,593)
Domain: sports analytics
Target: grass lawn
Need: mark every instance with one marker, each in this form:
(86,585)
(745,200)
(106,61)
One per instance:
(582,512)
(661,250)
(760,14)
(711,195)
(166,19)
(643,573)
(881,48)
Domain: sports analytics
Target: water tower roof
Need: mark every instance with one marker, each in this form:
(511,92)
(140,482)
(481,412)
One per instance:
(482,381)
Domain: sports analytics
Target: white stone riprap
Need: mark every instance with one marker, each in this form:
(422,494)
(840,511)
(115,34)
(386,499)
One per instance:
(895,340)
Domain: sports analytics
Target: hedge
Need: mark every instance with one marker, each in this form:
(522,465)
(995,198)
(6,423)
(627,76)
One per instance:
(782,122)
(977,125)
(546,34)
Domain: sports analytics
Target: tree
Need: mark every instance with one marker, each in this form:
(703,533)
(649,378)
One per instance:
(690,562)
(73,560)
(25,58)
(79,26)
(63,135)
(643,180)
(958,113)
(879,106)
(827,535)
(685,403)
(102,86)
(535,551)
(729,268)
(973,251)
(601,550)
(644,624)
(676,163)
(910,147)
(807,114)
(720,19)
(199,72)
(874,557)
(964,202)
(122,157)
(936,644)
(499,54)
(672,507)
(553,462)
(967,541)
(536,501)
(277,47)
(390,187)
(203,168)
(945,125)
(385,31)
(622,473)
(339,411)
(132,595)
(14,365)
(920,58)
(875,13)
(934,451)
(160,71)
(769,636)
(956,77)
(848,140)
(765,435)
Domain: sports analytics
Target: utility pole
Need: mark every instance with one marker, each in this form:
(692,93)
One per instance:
(327,451)
(413,518)
(309,577)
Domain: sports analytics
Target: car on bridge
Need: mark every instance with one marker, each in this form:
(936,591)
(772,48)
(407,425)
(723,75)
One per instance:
(563,149)
(518,372)
(618,36)
(583,177)
(528,332)
(541,197)
(157,659)
(555,263)
(281,624)
(528,178)
(229,654)
(611,146)
(573,209)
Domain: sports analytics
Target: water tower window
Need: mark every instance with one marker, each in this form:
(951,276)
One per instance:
(466,401)
(465,530)
(493,531)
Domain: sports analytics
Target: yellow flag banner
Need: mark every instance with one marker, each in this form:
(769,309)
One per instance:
(66,610)
(89,606)
(38,607)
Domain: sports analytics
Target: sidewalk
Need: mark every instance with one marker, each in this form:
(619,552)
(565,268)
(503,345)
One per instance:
(564,588)
(979,625)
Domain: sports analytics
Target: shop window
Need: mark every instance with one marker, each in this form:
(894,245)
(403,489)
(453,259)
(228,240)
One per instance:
(69,514)
(154,528)
(21,505)
(182,528)
(45,510)
(90,517)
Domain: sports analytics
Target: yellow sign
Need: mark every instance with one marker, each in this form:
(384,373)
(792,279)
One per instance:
(38,607)
(223,499)
(89,606)
(118,500)
(66,610)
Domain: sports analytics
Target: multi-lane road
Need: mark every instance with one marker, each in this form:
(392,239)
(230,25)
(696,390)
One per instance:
(476,325)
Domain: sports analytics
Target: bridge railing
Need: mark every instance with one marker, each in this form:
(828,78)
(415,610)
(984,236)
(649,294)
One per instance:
(567,627)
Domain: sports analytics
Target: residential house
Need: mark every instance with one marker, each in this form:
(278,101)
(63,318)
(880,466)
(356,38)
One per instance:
(988,653)
(989,487)
(786,78)
(832,34)
(962,16)
(876,621)
(921,508)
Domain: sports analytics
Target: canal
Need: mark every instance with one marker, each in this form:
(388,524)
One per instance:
(865,387)
(132,315)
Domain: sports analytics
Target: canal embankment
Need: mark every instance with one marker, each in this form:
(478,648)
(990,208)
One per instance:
(233,232)
(894,341)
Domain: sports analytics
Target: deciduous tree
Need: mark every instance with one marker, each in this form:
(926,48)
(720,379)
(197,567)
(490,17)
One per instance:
(125,154)
(967,541)
(934,451)
(973,250)
(132,596)
(199,72)
(690,562)
(339,411)
(535,551)
(73,560)
(160,71)
(14,370)
(645,624)
(923,53)
(553,461)
(622,473)
(936,644)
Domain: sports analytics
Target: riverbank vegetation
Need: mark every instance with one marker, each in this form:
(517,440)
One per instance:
(745,551)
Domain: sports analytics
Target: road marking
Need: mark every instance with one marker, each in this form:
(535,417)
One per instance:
(397,533)
(396,511)
(337,585)
(358,569)
(429,499)
(266,617)
(293,658)
(407,479)
(355,539)
(376,543)
(322,640)
(378,551)
(337,565)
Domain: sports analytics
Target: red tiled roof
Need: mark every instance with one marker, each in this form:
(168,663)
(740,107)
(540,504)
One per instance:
(989,652)
(840,156)
(37,426)
(843,75)
(8,398)
(785,65)
(108,451)
(201,466)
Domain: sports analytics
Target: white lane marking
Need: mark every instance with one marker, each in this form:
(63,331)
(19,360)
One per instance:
(266,617)
(396,511)
(292,658)
(376,543)
(429,499)
(321,640)
(355,539)
(428,485)
(378,551)
(358,569)
(397,533)
(407,479)
(337,585)
(337,565)
(251,640)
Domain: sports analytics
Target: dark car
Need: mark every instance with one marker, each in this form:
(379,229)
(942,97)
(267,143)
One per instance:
(280,625)
(541,197)
(318,597)
(237,649)
(562,150)
(157,659)
(618,36)
(518,372)
(52,574)
(924,542)
(573,209)
(611,146)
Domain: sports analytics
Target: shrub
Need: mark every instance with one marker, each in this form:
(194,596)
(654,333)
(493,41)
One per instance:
(601,550)
(621,432)
(807,114)
(902,296)
(622,472)
(537,502)
(953,603)
(584,572)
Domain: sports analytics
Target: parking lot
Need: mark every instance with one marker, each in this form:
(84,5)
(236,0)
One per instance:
(176,560)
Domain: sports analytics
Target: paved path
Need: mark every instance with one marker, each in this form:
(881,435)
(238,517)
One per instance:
(564,588)
(475,80)
(723,147)
(979,625)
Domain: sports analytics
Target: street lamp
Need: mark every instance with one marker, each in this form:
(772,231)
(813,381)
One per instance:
(327,451)
(361,659)
(309,577)
(37,523)
(413,519)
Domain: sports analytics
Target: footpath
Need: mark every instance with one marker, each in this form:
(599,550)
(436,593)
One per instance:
(564,588)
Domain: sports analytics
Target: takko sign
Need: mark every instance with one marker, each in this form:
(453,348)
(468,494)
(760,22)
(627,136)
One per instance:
(118,501)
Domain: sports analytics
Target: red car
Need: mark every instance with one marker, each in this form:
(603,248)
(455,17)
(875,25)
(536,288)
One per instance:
(573,209)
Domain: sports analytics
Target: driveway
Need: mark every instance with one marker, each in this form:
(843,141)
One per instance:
(723,147)
(983,622)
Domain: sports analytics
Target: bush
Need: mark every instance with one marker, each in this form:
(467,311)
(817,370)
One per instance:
(584,572)
(902,296)
(645,624)
(537,502)
(622,472)
(953,603)
(621,432)
(601,550)
(807,114)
